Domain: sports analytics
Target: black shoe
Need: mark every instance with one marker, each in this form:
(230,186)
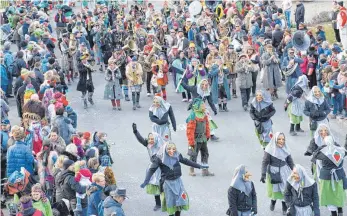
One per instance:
(10,96)
(156,207)
(91,101)
(245,107)
(214,138)
(272,205)
(284,208)
(85,104)
(225,108)
(127,98)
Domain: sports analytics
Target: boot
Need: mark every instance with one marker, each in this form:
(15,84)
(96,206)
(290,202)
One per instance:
(127,98)
(133,97)
(234,93)
(220,108)
(339,211)
(225,108)
(85,104)
(138,100)
(214,138)
(272,205)
(275,94)
(205,172)
(291,131)
(334,213)
(298,129)
(157,203)
(191,171)
(284,208)
(90,99)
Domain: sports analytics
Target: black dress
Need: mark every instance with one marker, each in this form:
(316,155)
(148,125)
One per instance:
(85,83)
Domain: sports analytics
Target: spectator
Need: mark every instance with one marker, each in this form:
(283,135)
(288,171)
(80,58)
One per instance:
(60,21)
(113,203)
(63,124)
(299,14)
(95,190)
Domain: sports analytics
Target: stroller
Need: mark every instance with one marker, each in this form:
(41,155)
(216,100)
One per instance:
(6,33)
(19,184)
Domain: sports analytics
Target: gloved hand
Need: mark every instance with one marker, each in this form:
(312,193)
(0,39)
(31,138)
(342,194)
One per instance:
(204,166)
(285,107)
(143,185)
(307,153)
(262,179)
(215,112)
(134,128)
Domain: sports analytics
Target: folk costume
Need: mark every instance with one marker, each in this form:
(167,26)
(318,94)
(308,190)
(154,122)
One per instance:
(174,197)
(276,167)
(153,143)
(261,113)
(332,177)
(295,104)
(241,194)
(244,72)
(316,108)
(85,83)
(113,88)
(301,193)
(220,86)
(134,75)
(160,68)
(198,133)
(159,113)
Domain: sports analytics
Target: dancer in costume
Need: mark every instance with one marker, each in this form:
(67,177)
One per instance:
(262,110)
(276,168)
(153,143)
(174,196)
(198,133)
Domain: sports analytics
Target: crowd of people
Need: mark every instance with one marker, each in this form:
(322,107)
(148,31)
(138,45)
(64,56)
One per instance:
(211,51)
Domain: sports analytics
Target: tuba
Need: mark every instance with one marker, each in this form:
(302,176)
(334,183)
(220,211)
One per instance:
(130,45)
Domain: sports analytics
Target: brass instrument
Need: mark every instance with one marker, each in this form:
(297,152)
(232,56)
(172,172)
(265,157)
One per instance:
(200,67)
(156,47)
(130,45)
(72,47)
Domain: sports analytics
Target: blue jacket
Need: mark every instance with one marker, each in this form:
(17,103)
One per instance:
(19,155)
(73,116)
(64,127)
(4,78)
(94,200)
(214,88)
(112,206)
(8,60)
(4,140)
(25,28)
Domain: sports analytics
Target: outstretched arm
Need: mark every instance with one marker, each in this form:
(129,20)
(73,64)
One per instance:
(138,136)
(154,166)
(188,162)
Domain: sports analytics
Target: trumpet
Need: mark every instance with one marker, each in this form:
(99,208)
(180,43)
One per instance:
(200,67)
(225,66)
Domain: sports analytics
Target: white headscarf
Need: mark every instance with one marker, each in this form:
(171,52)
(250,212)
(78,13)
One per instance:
(317,137)
(264,103)
(275,151)
(162,109)
(201,92)
(239,183)
(312,98)
(302,82)
(304,182)
(158,142)
(165,158)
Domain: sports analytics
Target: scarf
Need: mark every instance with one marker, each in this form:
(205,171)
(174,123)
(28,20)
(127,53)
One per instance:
(201,92)
(304,181)
(162,109)
(238,183)
(317,137)
(313,99)
(165,158)
(275,151)
(302,82)
(264,103)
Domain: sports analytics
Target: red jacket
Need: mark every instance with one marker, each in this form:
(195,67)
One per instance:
(191,126)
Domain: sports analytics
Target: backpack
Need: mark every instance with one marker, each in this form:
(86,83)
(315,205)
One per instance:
(15,68)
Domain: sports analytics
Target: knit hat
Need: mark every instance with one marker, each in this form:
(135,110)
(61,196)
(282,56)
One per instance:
(7,45)
(26,203)
(86,135)
(67,163)
(83,173)
(68,109)
(335,64)
(5,122)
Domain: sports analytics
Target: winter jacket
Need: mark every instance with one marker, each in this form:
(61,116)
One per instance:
(295,92)
(58,190)
(4,78)
(59,145)
(19,155)
(112,207)
(164,119)
(191,129)
(44,207)
(244,78)
(94,199)
(4,139)
(277,37)
(19,83)
(310,198)
(316,112)
(39,76)
(30,212)
(272,161)
(73,117)
(60,20)
(49,44)
(68,185)
(4,109)
(262,115)
(300,13)
(239,201)
(64,127)
(166,172)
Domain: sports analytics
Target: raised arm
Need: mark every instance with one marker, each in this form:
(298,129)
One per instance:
(138,136)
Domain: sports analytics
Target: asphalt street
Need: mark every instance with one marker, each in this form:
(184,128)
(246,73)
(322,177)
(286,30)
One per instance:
(237,145)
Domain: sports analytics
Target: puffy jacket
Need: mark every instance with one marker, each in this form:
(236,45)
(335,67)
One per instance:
(112,206)
(60,20)
(64,127)
(94,199)
(19,155)
(68,185)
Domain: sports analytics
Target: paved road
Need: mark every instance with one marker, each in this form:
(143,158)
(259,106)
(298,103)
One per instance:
(208,196)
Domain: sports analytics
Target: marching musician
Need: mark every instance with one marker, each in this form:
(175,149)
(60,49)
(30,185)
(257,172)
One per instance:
(202,39)
(223,46)
(120,58)
(195,73)
(148,47)
(255,60)
(230,59)
(134,75)
(191,51)
(85,84)
(211,57)
(113,88)
(187,27)
(212,32)
(160,69)
(291,68)
(219,84)
(182,41)
(64,47)
(193,32)
(162,32)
